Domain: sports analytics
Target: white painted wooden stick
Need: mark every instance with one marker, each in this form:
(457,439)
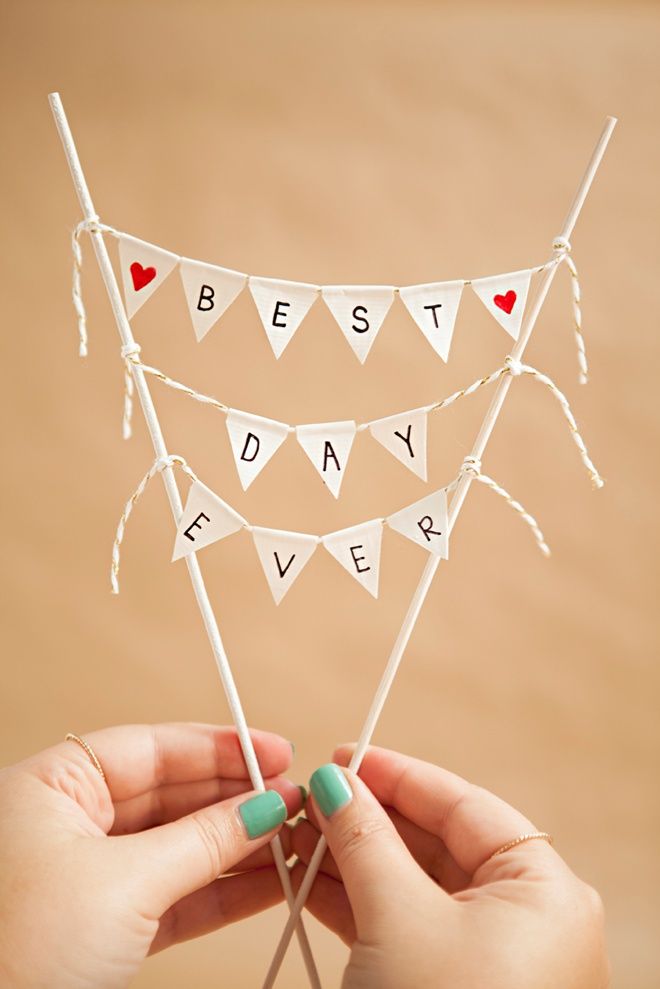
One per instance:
(422,589)
(160,449)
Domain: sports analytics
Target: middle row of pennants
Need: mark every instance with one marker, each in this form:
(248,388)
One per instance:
(207,518)
(255,439)
(282,305)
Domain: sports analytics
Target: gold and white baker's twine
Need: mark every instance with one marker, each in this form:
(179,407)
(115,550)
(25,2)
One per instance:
(471,467)
(160,464)
(561,253)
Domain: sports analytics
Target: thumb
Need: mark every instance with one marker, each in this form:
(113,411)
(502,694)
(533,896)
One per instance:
(369,853)
(176,859)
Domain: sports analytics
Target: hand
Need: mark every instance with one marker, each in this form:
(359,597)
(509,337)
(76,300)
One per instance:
(94,876)
(414,893)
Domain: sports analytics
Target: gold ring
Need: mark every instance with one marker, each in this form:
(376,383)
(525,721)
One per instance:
(543,835)
(70,737)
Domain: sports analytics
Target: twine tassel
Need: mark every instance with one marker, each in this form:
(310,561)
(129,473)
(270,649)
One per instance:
(158,465)
(472,467)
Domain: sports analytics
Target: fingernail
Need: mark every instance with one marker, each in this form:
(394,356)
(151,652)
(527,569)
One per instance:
(303,795)
(262,813)
(330,789)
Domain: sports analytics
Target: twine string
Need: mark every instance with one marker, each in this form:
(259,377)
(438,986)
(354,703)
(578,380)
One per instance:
(471,467)
(562,248)
(91,225)
(160,464)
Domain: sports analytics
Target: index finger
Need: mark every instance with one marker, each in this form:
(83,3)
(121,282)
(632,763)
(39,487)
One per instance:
(138,758)
(472,822)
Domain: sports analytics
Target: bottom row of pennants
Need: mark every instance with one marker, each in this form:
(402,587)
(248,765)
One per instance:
(207,518)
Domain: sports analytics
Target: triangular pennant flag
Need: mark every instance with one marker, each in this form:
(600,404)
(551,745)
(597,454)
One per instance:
(425,522)
(504,296)
(253,440)
(144,268)
(282,306)
(434,306)
(282,555)
(404,435)
(210,290)
(360,311)
(206,518)
(358,551)
(328,444)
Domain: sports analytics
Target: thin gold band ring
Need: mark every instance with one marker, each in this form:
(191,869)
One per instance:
(70,737)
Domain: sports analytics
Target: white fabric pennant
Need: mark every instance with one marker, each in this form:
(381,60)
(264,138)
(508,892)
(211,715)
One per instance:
(283,555)
(358,551)
(282,306)
(206,519)
(426,522)
(209,291)
(328,445)
(360,311)
(404,435)
(144,268)
(434,306)
(253,440)
(504,296)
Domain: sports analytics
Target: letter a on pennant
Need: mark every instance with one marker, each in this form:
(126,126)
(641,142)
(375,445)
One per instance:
(209,290)
(504,296)
(358,551)
(360,311)
(206,519)
(426,523)
(434,307)
(144,268)
(283,555)
(328,445)
(282,306)
(404,435)
(253,440)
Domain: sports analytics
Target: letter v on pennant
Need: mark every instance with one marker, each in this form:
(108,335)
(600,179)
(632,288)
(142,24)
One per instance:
(206,519)
(283,556)
(253,440)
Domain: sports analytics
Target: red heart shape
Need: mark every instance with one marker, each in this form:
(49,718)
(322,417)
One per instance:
(141,276)
(506,302)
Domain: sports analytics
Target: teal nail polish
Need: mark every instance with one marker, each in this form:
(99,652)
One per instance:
(303,794)
(293,748)
(262,813)
(330,788)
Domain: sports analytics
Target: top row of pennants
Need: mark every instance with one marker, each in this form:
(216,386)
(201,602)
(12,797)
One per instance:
(282,305)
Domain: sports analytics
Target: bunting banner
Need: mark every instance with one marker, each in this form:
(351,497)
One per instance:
(282,305)
(207,519)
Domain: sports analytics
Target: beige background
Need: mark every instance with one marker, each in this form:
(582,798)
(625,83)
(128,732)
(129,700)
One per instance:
(364,142)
